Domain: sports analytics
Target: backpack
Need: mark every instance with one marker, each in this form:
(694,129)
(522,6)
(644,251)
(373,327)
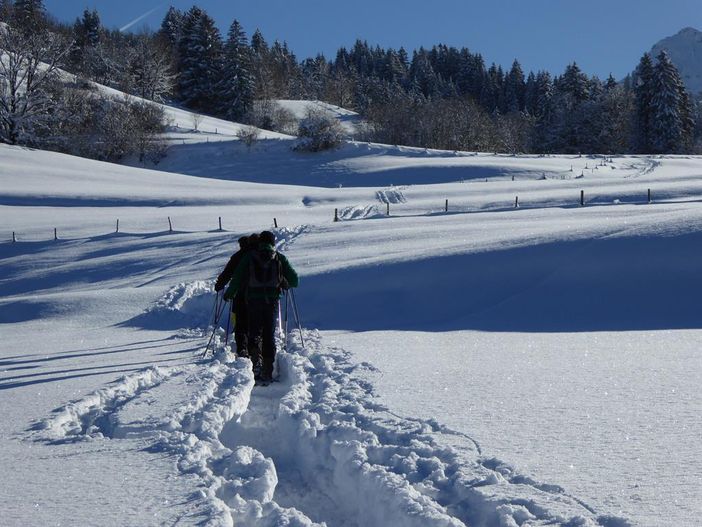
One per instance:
(265,270)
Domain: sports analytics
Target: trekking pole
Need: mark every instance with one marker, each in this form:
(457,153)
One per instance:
(297,317)
(218,315)
(215,308)
(285,340)
(229,321)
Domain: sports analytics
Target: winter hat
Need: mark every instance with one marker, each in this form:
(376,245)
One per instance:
(243,242)
(267,237)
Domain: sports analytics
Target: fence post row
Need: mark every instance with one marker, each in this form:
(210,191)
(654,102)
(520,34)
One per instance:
(336,214)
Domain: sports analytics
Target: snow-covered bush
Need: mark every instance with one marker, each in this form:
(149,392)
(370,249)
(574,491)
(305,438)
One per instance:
(319,131)
(248,135)
(269,115)
(87,124)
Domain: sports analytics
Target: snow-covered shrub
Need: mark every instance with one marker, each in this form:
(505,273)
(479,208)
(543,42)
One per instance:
(319,131)
(248,135)
(87,124)
(269,115)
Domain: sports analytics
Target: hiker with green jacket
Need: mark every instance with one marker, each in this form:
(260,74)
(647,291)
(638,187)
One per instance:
(261,277)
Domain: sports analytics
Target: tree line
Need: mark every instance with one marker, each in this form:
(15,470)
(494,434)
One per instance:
(443,97)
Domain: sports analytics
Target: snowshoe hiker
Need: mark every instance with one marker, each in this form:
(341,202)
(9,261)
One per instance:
(238,313)
(263,273)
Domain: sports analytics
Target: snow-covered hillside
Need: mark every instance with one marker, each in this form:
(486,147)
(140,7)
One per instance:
(486,365)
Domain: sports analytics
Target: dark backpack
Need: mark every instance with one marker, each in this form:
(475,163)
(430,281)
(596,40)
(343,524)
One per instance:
(265,270)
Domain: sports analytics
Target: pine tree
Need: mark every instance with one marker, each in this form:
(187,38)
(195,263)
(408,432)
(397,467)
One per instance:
(172,27)
(514,88)
(86,56)
(670,109)
(491,97)
(543,113)
(643,118)
(575,83)
(29,15)
(422,74)
(200,55)
(6,11)
(236,90)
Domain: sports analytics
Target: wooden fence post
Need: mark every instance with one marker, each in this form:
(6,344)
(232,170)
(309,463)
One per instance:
(446,206)
(117,228)
(649,195)
(582,198)
(170,225)
(516,202)
(388,209)
(220,223)
(336,215)
(275,223)
(14,239)
(55,234)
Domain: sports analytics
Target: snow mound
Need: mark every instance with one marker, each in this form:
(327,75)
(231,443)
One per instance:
(186,305)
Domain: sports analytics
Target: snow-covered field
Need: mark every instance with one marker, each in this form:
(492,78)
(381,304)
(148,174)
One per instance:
(489,365)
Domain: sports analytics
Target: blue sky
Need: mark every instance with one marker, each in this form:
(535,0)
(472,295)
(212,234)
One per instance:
(602,36)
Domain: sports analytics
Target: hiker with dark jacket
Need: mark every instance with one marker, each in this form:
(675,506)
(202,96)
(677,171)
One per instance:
(263,274)
(238,311)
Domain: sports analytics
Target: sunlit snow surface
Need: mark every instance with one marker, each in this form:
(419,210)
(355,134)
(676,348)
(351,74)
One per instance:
(531,366)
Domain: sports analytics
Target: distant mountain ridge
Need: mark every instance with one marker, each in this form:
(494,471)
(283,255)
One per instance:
(685,50)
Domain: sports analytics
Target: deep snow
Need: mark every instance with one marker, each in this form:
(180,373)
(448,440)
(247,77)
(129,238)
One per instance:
(486,366)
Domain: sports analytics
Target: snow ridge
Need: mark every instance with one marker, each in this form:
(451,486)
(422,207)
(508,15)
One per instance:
(89,417)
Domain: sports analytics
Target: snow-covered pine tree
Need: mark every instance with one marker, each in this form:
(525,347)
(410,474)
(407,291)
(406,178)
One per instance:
(261,66)
(670,132)
(236,89)
(171,26)
(643,94)
(200,56)
(422,74)
(168,36)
